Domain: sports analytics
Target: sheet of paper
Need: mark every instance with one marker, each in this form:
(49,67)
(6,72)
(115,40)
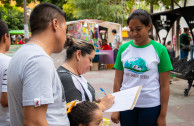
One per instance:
(125,99)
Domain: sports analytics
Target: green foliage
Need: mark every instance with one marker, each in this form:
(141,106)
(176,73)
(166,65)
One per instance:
(69,10)
(19,3)
(13,17)
(58,3)
(165,3)
(106,10)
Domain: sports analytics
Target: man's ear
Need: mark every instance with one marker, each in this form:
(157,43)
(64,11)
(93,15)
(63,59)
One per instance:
(55,24)
(4,38)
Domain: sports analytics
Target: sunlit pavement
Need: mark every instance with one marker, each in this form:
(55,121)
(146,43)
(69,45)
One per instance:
(180,109)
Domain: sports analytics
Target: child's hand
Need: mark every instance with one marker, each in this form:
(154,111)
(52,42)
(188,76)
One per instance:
(106,102)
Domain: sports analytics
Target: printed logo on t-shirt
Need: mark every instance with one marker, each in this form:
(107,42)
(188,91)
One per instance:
(136,65)
(36,102)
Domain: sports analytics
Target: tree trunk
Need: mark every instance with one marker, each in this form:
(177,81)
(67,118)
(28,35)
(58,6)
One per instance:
(177,37)
(185,3)
(172,7)
(172,4)
(151,11)
(25,20)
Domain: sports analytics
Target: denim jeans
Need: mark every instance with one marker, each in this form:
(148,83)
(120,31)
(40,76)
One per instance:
(184,54)
(140,116)
(192,51)
(115,51)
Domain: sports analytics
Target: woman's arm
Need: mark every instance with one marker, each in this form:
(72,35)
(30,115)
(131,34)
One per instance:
(118,80)
(3,99)
(164,97)
(115,117)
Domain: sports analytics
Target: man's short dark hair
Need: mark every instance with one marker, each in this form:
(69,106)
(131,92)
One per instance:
(114,31)
(3,29)
(42,15)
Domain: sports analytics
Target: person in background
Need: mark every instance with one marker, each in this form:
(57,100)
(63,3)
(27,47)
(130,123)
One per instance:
(79,57)
(105,45)
(174,40)
(170,49)
(35,92)
(85,114)
(143,61)
(95,33)
(4,62)
(163,41)
(19,38)
(12,39)
(22,41)
(116,43)
(192,47)
(185,39)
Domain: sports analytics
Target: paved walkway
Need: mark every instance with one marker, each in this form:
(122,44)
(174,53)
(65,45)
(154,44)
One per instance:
(180,109)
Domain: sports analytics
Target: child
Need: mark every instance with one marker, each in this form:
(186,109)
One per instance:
(84,114)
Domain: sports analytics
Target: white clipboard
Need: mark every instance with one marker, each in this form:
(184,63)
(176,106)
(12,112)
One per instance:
(125,99)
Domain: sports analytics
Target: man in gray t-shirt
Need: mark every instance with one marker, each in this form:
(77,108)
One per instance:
(35,92)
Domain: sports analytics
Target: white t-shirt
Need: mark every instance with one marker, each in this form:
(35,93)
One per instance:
(116,39)
(141,66)
(78,81)
(33,80)
(4,112)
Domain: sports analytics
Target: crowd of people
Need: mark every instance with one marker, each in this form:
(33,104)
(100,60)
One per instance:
(34,93)
(17,39)
(186,44)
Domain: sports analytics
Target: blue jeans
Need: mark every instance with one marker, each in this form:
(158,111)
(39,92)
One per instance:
(192,51)
(140,116)
(115,51)
(184,54)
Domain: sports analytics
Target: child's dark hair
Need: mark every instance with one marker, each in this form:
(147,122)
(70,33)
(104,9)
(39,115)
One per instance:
(143,16)
(82,113)
(3,29)
(74,45)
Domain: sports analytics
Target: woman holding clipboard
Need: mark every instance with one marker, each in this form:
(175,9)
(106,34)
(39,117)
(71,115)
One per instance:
(142,61)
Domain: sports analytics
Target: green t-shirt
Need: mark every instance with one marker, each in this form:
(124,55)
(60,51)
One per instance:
(184,39)
(141,66)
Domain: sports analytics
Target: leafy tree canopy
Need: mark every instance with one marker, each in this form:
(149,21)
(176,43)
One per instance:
(107,10)
(13,17)
(19,3)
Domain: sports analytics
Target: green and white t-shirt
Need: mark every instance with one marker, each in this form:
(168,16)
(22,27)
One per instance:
(141,66)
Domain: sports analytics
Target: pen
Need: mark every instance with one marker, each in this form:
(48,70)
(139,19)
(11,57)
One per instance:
(103,91)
